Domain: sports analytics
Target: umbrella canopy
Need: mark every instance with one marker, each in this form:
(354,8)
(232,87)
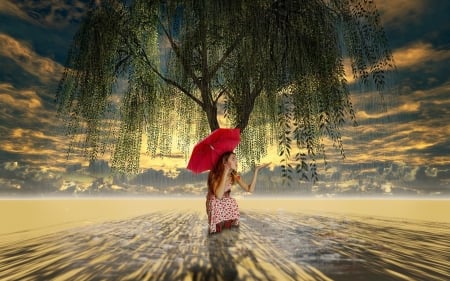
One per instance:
(208,151)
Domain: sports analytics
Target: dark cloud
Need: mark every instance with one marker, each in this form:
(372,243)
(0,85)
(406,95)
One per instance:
(15,75)
(25,179)
(375,178)
(45,41)
(410,20)
(54,13)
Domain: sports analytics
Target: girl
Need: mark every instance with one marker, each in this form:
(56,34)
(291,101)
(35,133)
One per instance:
(222,209)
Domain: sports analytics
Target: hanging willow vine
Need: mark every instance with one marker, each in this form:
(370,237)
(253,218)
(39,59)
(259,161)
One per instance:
(165,69)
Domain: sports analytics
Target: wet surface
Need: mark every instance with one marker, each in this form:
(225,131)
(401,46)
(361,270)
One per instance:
(174,245)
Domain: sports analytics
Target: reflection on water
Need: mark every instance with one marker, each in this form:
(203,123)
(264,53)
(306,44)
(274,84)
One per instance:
(173,245)
(222,261)
(365,248)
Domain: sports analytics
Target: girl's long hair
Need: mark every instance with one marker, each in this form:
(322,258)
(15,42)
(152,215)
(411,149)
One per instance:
(215,175)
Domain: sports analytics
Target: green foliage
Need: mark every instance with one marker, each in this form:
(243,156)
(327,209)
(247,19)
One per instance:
(274,67)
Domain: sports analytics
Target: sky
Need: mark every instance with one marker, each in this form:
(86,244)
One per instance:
(402,150)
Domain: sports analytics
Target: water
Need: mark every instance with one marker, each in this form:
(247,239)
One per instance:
(166,239)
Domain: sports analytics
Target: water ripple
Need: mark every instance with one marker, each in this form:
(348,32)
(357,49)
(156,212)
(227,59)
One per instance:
(174,245)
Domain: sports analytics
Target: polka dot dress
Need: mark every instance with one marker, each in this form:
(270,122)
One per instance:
(221,210)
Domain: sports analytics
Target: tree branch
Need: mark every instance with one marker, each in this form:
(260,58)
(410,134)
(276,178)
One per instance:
(147,61)
(119,64)
(169,81)
(174,46)
(229,50)
(223,91)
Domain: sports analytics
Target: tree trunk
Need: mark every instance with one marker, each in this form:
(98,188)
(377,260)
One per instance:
(245,112)
(211,114)
(208,105)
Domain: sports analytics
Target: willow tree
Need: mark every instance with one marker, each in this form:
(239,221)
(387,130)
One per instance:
(170,70)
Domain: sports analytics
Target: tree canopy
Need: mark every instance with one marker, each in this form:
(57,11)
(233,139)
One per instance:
(174,70)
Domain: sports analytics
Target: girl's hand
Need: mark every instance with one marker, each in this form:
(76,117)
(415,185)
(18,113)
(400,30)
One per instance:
(262,166)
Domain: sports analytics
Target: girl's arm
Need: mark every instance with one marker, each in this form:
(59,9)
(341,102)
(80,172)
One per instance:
(250,187)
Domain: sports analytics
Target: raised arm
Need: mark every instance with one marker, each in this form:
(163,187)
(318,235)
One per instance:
(251,187)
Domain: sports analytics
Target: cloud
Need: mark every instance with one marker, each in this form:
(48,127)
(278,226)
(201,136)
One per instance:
(8,7)
(54,13)
(35,146)
(418,54)
(26,108)
(16,178)
(394,177)
(30,129)
(400,11)
(26,101)
(22,54)
(413,128)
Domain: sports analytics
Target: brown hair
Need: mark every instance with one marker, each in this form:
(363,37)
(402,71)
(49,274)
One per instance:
(215,175)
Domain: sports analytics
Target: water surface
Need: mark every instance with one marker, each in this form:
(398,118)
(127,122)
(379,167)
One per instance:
(281,239)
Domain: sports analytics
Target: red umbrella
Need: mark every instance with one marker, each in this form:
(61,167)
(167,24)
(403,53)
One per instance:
(208,151)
